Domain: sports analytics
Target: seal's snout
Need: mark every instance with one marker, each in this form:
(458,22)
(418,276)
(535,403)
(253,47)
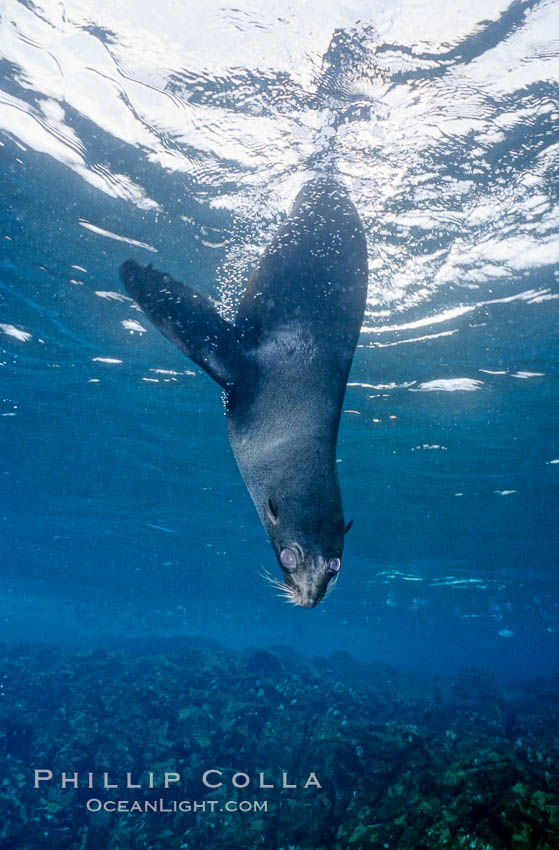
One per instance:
(308,603)
(302,597)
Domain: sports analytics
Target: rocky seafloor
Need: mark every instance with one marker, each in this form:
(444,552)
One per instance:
(403,762)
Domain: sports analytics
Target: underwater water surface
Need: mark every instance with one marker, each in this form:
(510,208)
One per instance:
(180,134)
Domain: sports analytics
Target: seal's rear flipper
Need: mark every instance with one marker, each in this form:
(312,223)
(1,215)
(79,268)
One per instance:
(188,319)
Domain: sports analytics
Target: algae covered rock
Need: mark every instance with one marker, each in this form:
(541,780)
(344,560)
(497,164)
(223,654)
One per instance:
(394,767)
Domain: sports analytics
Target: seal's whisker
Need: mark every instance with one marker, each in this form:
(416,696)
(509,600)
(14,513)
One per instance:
(275,583)
(289,597)
(286,591)
(265,574)
(283,590)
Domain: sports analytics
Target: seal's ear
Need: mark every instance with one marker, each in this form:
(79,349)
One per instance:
(272,512)
(348,526)
(188,319)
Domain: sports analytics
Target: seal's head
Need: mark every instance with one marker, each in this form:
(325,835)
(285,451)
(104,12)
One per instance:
(310,561)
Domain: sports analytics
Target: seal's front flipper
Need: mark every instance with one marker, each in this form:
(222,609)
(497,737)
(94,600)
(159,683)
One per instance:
(188,319)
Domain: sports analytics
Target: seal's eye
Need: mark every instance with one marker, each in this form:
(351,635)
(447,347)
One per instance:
(334,565)
(288,559)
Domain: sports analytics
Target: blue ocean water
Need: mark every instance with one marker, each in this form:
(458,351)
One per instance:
(180,135)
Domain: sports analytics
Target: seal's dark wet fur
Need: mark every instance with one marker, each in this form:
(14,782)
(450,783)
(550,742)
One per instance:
(284,365)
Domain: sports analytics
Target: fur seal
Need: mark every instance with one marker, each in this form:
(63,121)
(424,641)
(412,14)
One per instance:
(284,366)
